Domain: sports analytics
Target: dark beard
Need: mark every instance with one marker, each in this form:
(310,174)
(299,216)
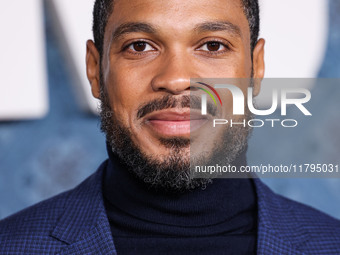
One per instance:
(171,173)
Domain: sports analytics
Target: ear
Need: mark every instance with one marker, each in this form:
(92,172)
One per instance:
(258,65)
(93,68)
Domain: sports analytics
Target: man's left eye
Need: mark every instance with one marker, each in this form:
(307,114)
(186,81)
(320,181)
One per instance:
(213,46)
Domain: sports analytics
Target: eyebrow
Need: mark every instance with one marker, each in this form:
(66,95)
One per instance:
(137,27)
(219,26)
(132,27)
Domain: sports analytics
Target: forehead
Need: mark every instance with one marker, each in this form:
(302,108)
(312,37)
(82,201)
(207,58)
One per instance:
(177,15)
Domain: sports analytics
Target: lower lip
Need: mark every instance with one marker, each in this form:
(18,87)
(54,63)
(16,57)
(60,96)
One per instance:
(176,128)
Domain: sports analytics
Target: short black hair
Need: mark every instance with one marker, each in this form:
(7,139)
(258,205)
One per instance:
(103,9)
(252,11)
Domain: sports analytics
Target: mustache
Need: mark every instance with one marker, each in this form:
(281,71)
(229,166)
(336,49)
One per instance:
(169,102)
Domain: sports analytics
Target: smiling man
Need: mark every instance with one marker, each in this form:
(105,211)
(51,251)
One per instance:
(140,67)
(143,199)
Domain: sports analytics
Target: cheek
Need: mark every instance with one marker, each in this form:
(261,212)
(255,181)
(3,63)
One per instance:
(235,66)
(124,93)
(129,87)
(240,67)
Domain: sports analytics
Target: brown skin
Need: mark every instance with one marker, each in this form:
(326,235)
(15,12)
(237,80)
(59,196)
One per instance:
(174,53)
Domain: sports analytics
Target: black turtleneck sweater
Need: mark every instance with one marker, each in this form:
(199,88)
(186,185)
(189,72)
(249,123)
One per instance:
(218,220)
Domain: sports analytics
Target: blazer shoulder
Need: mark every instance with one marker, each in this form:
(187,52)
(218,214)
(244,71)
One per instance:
(29,231)
(322,231)
(278,209)
(39,229)
(303,227)
(36,220)
(313,217)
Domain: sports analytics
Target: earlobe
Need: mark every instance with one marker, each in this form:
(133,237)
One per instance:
(93,68)
(258,65)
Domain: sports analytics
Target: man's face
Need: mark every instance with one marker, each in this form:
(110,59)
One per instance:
(151,50)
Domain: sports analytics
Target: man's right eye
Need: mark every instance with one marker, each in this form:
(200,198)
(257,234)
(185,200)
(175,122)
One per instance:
(140,46)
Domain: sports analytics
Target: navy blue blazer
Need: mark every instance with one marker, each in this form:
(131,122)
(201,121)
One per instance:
(75,222)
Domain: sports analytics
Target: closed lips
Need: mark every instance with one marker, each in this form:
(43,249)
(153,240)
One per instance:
(174,122)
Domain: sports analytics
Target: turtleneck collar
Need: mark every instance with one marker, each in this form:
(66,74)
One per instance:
(225,206)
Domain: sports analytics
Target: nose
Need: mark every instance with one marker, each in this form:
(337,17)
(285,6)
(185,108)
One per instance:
(173,75)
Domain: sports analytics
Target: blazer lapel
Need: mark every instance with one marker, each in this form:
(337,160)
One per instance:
(84,225)
(278,231)
(270,243)
(98,240)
